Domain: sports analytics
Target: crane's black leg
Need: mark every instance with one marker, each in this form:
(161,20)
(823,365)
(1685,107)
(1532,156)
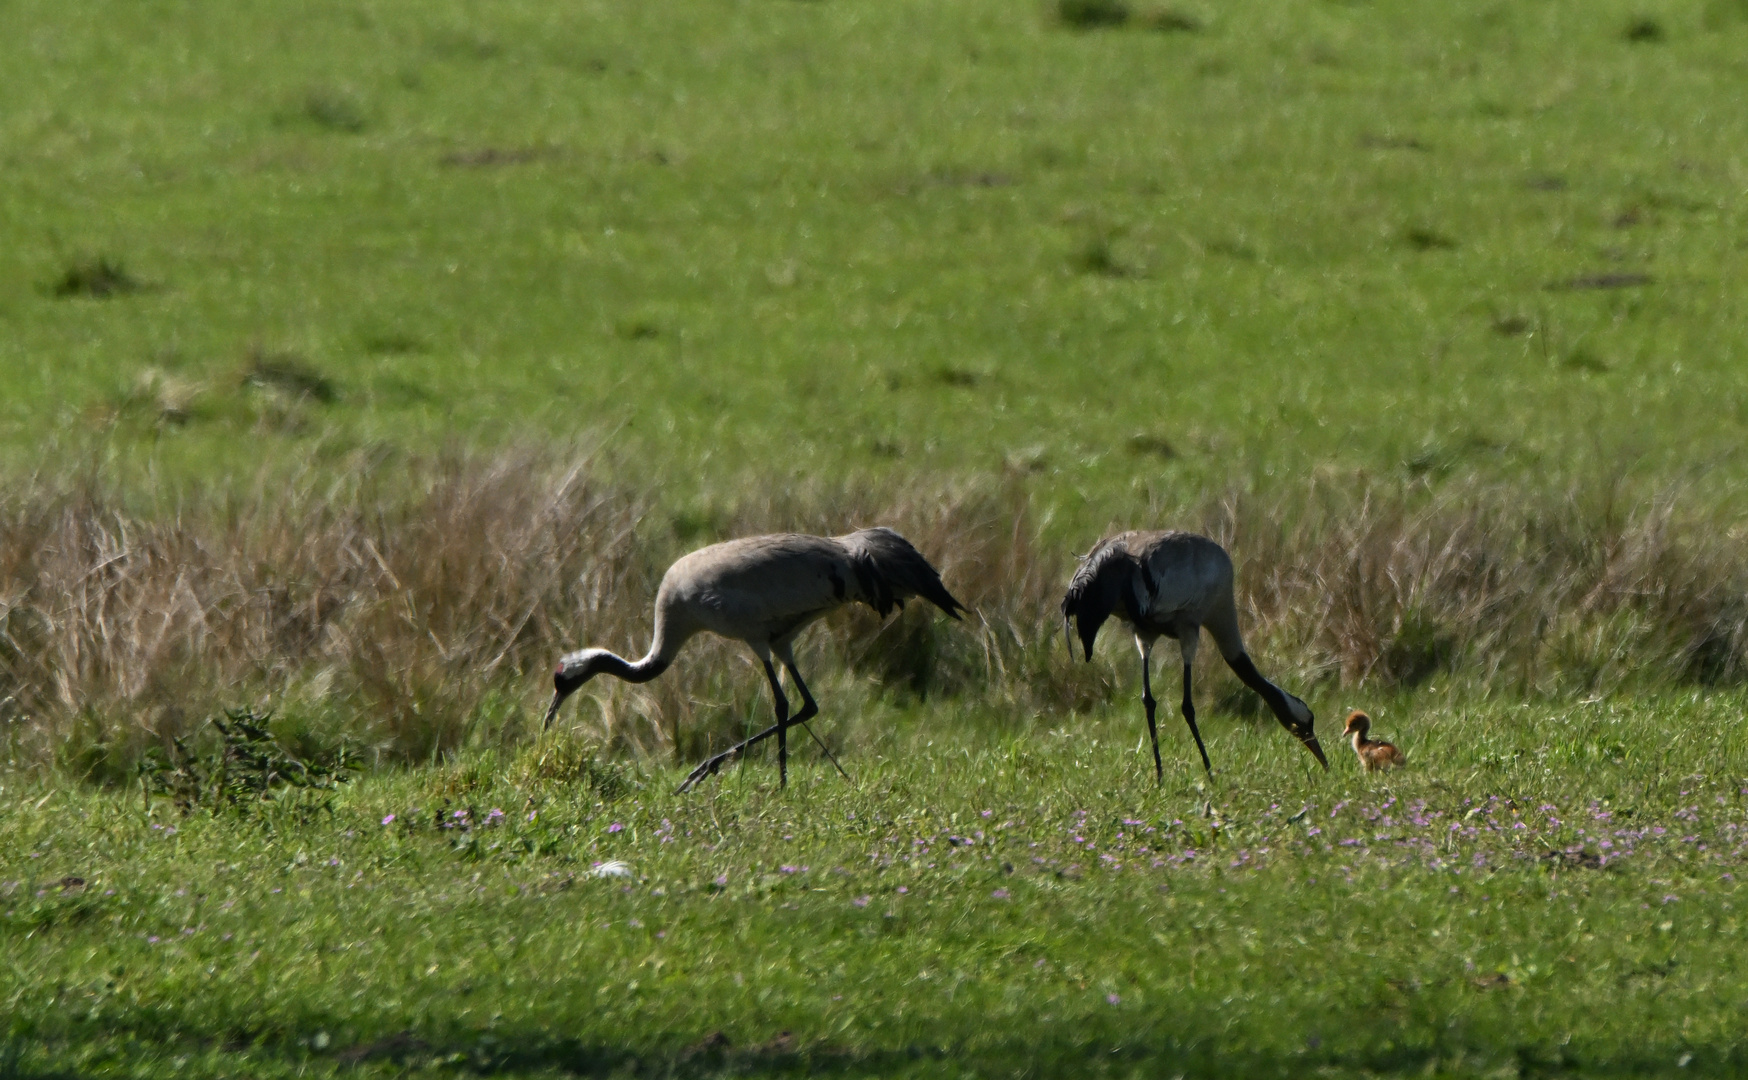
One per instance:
(809,710)
(1190,719)
(710,765)
(1147,700)
(782,704)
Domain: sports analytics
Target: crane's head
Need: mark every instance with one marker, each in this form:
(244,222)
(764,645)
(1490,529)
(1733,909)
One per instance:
(1297,718)
(572,672)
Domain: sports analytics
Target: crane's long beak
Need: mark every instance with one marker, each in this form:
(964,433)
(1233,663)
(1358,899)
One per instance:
(1311,744)
(558,699)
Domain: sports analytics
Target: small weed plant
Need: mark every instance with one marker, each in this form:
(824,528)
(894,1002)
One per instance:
(244,768)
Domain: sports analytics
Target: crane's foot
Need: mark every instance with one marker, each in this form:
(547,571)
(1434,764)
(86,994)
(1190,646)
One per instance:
(707,767)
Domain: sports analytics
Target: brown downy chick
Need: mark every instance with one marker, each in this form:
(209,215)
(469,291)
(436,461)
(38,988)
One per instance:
(1373,755)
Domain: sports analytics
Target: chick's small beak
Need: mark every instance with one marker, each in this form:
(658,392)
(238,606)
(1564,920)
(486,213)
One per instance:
(1310,741)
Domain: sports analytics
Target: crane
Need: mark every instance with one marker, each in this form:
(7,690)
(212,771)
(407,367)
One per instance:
(1375,755)
(1172,584)
(764,590)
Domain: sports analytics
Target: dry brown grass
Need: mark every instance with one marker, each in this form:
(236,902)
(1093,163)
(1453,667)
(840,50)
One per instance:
(418,609)
(404,602)
(1538,595)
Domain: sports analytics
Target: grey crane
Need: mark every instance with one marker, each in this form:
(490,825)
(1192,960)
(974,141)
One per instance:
(1172,584)
(764,590)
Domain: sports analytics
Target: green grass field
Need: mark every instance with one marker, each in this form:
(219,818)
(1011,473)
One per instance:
(763,240)
(770,264)
(1551,892)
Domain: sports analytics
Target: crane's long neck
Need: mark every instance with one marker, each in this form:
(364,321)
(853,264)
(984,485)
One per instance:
(579,667)
(662,651)
(1276,698)
(639,671)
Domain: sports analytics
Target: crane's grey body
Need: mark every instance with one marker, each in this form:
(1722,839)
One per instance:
(765,590)
(770,588)
(1174,584)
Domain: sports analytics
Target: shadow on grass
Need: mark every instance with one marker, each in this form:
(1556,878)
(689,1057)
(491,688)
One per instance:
(714,1055)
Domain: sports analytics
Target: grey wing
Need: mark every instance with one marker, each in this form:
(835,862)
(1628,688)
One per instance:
(1187,577)
(762,586)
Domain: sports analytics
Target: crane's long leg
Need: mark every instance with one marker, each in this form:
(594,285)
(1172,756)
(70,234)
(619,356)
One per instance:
(710,765)
(1149,703)
(1190,719)
(809,710)
(782,704)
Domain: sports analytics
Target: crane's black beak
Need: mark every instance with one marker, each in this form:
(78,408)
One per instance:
(564,684)
(552,710)
(567,679)
(1308,738)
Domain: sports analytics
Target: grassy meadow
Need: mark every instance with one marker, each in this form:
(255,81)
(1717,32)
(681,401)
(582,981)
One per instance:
(761,241)
(357,359)
(1550,892)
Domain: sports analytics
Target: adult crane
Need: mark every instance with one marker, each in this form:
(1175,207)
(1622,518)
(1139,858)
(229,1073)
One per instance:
(764,590)
(1172,584)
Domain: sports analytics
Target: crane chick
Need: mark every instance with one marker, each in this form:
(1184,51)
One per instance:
(1375,755)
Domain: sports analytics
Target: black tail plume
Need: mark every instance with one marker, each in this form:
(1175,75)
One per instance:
(889,569)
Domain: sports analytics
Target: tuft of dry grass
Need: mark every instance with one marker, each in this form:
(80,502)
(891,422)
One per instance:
(408,612)
(1569,593)
(402,601)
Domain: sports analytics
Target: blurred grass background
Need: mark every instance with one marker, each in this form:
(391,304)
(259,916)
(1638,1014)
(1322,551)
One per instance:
(756,242)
